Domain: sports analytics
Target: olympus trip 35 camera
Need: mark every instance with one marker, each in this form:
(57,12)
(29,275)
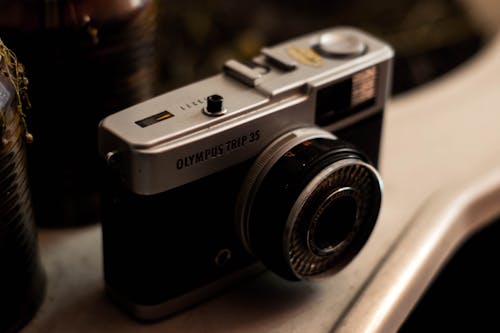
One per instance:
(270,164)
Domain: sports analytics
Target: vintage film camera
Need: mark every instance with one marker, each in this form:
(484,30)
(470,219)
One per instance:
(271,163)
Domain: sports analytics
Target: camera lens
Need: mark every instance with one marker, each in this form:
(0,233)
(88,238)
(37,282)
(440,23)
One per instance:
(334,221)
(308,204)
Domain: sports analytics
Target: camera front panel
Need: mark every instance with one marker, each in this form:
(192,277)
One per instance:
(366,135)
(158,249)
(352,108)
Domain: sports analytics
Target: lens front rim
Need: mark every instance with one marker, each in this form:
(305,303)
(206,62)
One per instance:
(260,170)
(277,184)
(304,262)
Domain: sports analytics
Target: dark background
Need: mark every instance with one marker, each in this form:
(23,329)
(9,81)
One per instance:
(430,37)
(86,59)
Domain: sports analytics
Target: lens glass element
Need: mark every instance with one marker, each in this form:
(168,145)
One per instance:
(333,222)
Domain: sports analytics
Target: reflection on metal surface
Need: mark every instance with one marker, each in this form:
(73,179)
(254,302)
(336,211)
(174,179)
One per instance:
(446,220)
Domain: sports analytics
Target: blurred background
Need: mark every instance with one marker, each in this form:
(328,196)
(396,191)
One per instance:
(86,59)
(430,37)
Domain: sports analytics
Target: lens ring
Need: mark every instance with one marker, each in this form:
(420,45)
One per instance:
(366,188)
(334,222)
(283,192)
(260,169)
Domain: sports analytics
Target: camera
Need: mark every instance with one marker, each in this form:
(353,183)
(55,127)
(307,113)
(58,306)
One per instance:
(270,164)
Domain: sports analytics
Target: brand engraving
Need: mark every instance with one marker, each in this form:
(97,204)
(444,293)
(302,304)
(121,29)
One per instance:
(217,150)
(305,56)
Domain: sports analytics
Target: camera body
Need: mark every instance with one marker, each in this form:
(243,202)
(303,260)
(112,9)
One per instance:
(270,164)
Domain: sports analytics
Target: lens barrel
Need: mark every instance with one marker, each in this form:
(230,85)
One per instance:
(309,204)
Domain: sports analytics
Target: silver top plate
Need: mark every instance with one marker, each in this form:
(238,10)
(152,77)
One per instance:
(180,143)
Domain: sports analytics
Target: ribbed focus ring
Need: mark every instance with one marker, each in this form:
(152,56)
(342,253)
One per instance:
(354,181)
(290,200)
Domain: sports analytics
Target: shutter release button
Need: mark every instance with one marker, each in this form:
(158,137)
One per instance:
(340,44)
(215,106)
